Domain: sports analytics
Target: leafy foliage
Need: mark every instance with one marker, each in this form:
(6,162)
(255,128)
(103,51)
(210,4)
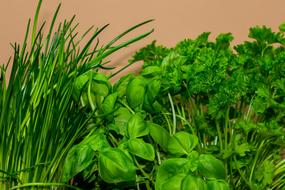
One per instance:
(48,103)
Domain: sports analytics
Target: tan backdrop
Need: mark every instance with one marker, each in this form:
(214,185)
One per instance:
(174,20)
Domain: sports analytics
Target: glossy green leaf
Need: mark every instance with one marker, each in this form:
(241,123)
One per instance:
(137,127)
(135,92)
(173,183)
(78,158)
(168,170)
(151,71)
(282,27)
(96,140)
(100,85)
(159,135)
(182,143)
(115,166)
(193,182)
(121,117)
(217,185)
(141,149)
(211,167)
(78,85)
(193,161)
(121,85)
(109,103)
(153,89)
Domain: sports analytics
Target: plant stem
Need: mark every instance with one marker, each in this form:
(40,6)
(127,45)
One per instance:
(173,114)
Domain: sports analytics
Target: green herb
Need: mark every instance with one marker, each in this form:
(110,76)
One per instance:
(41,117)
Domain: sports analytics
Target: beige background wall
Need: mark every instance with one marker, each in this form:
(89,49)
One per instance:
(174,20)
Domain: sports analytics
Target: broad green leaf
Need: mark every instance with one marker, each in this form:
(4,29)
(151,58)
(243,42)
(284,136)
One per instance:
(169,169)
(78,85)
(96,140)
(121,117)
(135,92)
(78,158)
(173,183)
(141,149)
(84,99)
(109,103)
(217,185)
(193,161)
(151,71)
(193,182)
(121,85)
(153,89)
(100,78)
(182,143)
(159,135)
(115,166)
(137,127)
(211,167)
(282,27)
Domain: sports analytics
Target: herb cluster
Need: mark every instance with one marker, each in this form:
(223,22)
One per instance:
(200,115)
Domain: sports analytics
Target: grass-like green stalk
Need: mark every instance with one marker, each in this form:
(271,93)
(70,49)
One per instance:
(39,119)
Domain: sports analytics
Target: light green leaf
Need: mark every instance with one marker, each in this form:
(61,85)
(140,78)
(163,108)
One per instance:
(115,166)
(78,158)
(168,170)
(192,182)
(121,117)
(96,140)
(141,149)
(211,167)
(153,89)
(282,27)
(173,183)
(182,143)
(217,185)
(135,92)
(159,135)
(109,103)
(78,85)
(121,85)
(151,71)
(137,127)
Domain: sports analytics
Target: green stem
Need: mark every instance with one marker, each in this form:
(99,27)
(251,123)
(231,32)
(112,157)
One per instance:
(220,136)
(173,114)
(128,107)
(255,161)
(241,174)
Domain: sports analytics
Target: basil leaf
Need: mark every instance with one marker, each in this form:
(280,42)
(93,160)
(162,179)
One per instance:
(115,166)
(136,127)
(141,149)
(182,143)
